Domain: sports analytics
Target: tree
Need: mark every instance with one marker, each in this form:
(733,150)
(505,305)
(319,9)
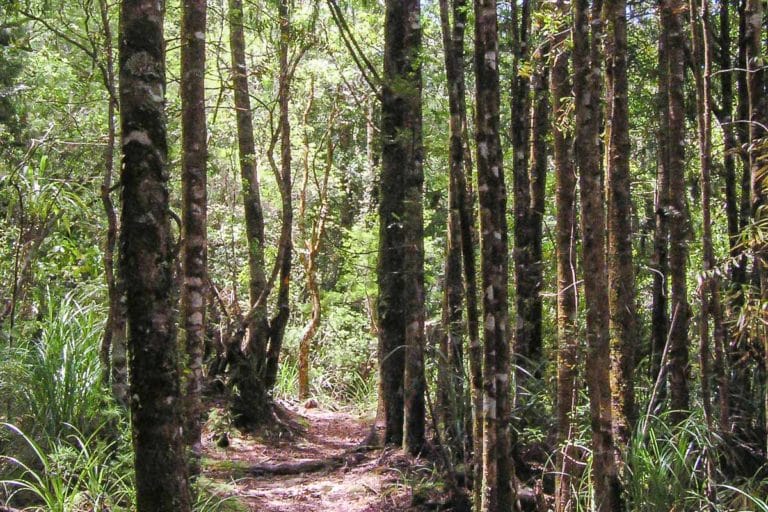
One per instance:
(678,226)
(452,351)
(497,493)
(194,149)
(621,274)
(401,253)
(567,287)
(586,87)
(247,367)
(147,255)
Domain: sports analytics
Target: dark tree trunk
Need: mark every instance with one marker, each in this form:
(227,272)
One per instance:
(527,331)
(194,153)
(539,153)
(147,256)
(250,402)
(401,257)
(497,492)
(567,290)
(621,274)
(679,369)
(586,87)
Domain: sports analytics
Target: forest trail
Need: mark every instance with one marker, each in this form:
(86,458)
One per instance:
(353,478)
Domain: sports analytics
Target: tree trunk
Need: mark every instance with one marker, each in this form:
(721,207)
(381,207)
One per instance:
(679,369)
(250,402)
(725,117)
(660,259)
(401,243)
(285,246)
(194,217)
(497,492)
(621,273)
(567,290)
(539,131)
(147,262)
(757,155)
(454,414)
(527,342)
(586,86)
(113,347)
(313,238)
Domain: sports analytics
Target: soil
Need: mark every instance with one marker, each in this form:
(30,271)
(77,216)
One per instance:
(355,479)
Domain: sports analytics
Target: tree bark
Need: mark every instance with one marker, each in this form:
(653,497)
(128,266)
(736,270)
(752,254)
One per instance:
(147,254)
(279,320)
(454,410)
(249,404)
(497,492)
(660,259)
(567,290)
(586,85)
(679,369)
(621,273)
(401,243)
(194,154)
(527,331)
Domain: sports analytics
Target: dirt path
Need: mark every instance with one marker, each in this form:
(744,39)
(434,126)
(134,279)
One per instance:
(360,481)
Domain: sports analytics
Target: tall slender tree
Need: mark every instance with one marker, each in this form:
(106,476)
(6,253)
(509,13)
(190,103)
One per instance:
(248,407)
(194,149)
(147,255)
(567,287)
(587,32)
(497,493)
(679,370)
(621,274)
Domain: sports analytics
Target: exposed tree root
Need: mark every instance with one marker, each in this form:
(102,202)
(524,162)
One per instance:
(346,459)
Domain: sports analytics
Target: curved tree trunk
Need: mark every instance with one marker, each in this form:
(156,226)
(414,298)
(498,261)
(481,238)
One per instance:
(250,401)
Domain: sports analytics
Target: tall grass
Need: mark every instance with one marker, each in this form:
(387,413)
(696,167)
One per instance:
(54,374)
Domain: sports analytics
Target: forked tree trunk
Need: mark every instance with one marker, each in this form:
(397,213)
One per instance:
(586,85)
(279,320)
(567,290)
(147,262)
(194,153)
(497,491)
(249,403)
(621,272)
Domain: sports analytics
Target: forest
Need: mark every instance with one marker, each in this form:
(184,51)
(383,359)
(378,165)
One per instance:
(383,255)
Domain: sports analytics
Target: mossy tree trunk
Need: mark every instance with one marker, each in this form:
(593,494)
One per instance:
(147,254)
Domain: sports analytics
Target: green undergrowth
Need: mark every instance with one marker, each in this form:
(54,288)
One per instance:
(65,444)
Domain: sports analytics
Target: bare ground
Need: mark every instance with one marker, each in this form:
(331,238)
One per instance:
(342,475)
